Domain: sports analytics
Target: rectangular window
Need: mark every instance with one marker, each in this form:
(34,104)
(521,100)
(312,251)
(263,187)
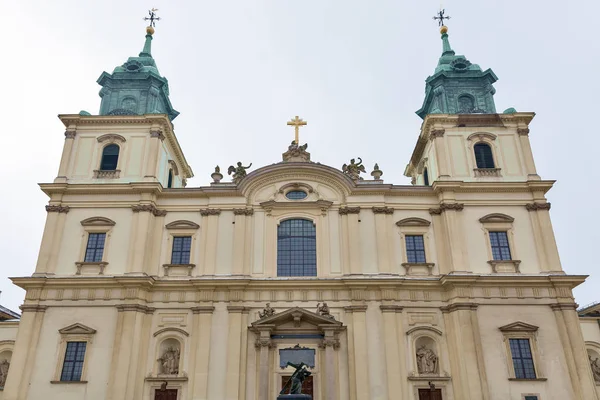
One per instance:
(181,250)
(500,247)
(73,365)
(415,249)
(95,247)
(522,359)
(531,397)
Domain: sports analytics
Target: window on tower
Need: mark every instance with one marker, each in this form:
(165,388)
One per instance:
(426,177)
(73,362)
(95,247)
(500,246)
(296,248)
(182,246)
(170,180)
(110,156)
(483,156)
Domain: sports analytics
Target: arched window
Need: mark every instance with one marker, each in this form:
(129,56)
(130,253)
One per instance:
(110,156)
(170,180)
(483,156)
(296,248)
(426,177)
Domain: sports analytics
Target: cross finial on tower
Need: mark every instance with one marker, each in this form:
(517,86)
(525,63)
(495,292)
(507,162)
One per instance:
(297,123)
(153,18)
(440,16)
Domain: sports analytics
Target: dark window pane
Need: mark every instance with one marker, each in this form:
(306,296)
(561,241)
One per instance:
(500,247)
(73,363)
(296,195)
(95,247)
(415,249)
(426,177)
(170,181)
(296,248)
(483,156)
(522,358)
(110,156)
(182,246)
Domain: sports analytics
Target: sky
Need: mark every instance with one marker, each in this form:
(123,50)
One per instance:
(354,70)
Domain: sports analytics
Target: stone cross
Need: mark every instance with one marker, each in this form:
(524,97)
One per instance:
(297,123)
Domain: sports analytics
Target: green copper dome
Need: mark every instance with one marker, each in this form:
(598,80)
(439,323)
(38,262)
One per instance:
(458,86)
(136,87)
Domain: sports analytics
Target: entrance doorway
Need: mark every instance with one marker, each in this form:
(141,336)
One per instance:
(165,394)
(429,394)
(307,385)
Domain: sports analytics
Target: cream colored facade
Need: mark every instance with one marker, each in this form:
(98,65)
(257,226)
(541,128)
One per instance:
(134,307)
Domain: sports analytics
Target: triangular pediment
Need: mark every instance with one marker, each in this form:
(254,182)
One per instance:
(77,329)
(590,311)
(518,327)
(295,317)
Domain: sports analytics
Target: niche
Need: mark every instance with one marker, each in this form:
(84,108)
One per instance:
(426,356)
(169,353)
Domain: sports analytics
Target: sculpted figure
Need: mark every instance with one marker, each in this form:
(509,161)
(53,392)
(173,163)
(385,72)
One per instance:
(297,379)
(427,361)
(169,362)
(354,169)
(267,311)
(323,310)
(595,364)
(4,366)
(238,172)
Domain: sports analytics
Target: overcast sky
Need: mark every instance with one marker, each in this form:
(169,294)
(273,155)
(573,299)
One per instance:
(355,70)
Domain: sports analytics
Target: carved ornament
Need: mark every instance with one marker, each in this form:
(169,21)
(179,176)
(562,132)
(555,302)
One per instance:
(149,208)
(413,221)
(70,134)
(349,210)
(496,217)
(446,206)
(210,211)
(435,133)
(383,210)
(182,224)
(335,343)
(243,211)
(98,221)
(264,342)
(58,209)
(523,131)
(111,137)
(157,133)
(110,174)
(173,166)
(538,206)
(481,136)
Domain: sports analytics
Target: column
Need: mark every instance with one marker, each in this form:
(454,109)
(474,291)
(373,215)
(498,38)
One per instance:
(540,219)
(361,371)
(124,364)
(396,377)
(437,137)
(467,371)
(569,357)
(570,319)
(142,221)
(51,239)
(66,155)
(527,154)
(25,352)
(234,346)
(263,344)
(330,343)
(439,232)
(156,137)
(201,347)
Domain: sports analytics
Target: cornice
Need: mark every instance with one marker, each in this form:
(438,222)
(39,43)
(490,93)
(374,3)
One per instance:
(459,307)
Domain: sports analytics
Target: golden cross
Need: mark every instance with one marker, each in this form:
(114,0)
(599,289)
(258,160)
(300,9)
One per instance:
(297,123)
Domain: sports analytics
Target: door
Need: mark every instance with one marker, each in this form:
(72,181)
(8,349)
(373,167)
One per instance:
(428,394)
(307,385)
(165,394)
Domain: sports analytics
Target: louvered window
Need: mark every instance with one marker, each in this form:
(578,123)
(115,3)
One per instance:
(110,156)
(483,156)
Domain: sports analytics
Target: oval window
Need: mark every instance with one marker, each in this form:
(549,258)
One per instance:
(296,195)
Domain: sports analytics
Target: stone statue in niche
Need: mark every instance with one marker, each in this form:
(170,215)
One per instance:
(169,362)
(595,364)
(354,169)
(4,366)
(268,311)
(427,361)
(323,310)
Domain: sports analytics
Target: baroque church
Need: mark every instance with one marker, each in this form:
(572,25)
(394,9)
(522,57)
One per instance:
(449,288)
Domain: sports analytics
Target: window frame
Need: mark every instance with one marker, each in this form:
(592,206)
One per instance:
(521,330)
(415,250)
(173,240)
(180,228)
(415,226)
(480,144)
(489,139)
(517,341)
(95,249)
(497,222)
(496,234)
(291,218)
(102,157)
(89,226)
(74,333)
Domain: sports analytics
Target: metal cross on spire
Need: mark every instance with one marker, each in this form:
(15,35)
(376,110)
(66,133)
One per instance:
(440,16)
(297,123)
(153,18)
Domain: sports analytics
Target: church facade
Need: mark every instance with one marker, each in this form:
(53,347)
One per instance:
(450,288)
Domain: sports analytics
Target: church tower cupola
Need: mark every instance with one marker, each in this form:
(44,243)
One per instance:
(457,86)
(136,87)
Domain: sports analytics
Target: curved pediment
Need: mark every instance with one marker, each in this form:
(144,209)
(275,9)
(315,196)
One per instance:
(413,221)
(98,221)
(295,318)
(496,217)
(182,224)
(320,177)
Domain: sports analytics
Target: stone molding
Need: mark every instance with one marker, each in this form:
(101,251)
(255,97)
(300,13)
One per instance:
(519,327)
(481,136)
(564,306)
(418,269)
(109,174)
(149,208)
(515,265)
(335,343)
(446,206)
(523,131)
(77,329)
(210,211)
(186,267)
(487,172)
(70,134)
(173,166)
(459,307)
(243,211)
(32,307)
(382,210)
(538,206)
(496,217)
(136,308)
(413,221)
(171,329)
(111,137)
(356,308)
(203,310)
(424,328)
(98,221)
(238,309)
(435,133)
(349,210)
(182,224)
(386,308)
(157,133)
(81,264)
(58,209)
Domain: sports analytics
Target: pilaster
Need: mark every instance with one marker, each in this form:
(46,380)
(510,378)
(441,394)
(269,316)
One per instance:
(156,138)
(393,358)
(530,170)
(234,351)
(240,238)
(66,156)
(210,217)
(383,216)
(439,142)
(351,217)
(199,363)
(539,213)
(453,235)
(359,331)
(51,239)
(264,344)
